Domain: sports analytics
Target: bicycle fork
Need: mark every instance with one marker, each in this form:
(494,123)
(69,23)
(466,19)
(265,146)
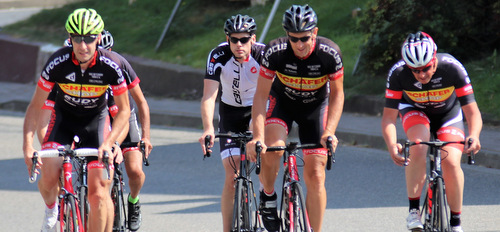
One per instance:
(67,189)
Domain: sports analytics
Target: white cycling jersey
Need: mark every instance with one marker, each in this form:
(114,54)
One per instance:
(238,80)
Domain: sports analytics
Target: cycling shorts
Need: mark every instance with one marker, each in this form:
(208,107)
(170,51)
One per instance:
(448,126)
(134,134)
(64,126)
(232,119)
(310,117)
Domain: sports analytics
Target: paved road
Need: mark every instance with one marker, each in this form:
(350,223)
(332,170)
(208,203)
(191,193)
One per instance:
(366,191)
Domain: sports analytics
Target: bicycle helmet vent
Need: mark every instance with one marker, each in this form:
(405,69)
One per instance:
(239,24)
(299,19)
(107,41)
(84,22)
(418,50)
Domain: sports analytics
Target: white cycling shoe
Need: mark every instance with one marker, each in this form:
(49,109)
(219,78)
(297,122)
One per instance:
(50,220)
(413,220)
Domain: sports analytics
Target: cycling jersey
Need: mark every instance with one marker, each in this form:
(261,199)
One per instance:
(302,80)
(238,80)
(450,83)
(82,91)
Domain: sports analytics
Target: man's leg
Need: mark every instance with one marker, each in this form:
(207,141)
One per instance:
(314,178)
(227,197)
(133,165)
(48,185)
(100,218)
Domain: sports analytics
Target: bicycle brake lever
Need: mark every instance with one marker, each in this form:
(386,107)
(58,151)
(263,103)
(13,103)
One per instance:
(207,142)
(331,154)
(142,146)
(33,175)
(105,160)
(258,150)
(471,156)
(406,152)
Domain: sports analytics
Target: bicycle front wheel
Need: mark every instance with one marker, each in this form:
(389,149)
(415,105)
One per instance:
(242,220)
(296,218)
(84,206)
(69,217)
(439,210)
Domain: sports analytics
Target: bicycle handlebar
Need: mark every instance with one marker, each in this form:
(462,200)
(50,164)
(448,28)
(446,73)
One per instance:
(293,146)
(61,152)
(436,144)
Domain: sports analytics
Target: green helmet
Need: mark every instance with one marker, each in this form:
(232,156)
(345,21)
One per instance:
(84,22)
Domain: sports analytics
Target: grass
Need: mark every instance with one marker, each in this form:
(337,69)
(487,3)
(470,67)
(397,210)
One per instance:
(198,27)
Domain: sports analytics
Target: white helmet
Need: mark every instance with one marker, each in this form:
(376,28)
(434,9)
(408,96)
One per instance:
(418,50)
(107,41)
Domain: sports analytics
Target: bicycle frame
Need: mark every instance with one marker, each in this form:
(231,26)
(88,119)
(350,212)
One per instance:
(293,200)
(68,200)
(435,207)
(242,212)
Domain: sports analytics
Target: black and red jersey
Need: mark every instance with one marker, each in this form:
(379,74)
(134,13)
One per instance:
(450,83)
(82,91)
(302,80)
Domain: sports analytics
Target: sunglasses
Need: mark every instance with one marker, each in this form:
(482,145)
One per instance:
(243,40)
(85,38)
(296,39)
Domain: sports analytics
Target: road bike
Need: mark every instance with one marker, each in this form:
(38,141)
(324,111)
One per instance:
(435,206)
(120,223)
(293,204)
(246,217)
(70,219)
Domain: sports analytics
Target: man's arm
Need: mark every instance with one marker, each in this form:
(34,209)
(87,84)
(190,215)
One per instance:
(30,123)
(144,117)
(389,132)
(120,121)
(335,107)
(474,124)
(210,90)
(259,115)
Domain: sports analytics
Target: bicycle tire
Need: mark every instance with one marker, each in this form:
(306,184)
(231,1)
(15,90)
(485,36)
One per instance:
(440,213)
(300,219)
(84,206)
(119,222)
(69,218)
(242,220)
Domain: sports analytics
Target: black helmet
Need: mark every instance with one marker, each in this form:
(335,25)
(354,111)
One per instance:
(299,19)
(240,23)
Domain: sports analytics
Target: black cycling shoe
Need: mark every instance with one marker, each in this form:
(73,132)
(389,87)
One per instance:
(269,212)
(134,216)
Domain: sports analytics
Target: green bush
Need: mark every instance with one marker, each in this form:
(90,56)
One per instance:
(466,29)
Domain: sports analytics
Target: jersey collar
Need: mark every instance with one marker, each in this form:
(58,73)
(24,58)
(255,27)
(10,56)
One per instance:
(92,61)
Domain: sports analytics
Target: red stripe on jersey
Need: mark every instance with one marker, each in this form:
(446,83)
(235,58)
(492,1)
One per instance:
(134,83)
(393,94)
(269,74)
(336,75)
(45,85)
(466,90)
(48,105)
(119,89)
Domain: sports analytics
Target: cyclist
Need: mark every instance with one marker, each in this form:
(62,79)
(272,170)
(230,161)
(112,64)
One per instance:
(302,76)
(132,155)
(430,90)
(234,65)
(82,74)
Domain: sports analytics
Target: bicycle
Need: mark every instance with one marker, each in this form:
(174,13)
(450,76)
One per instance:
(293,204)
(120,222)
(435,205)
(70,219)
(245,212)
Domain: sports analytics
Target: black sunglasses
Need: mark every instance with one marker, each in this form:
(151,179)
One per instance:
(417,71)
(243,40)
(296,39)
(85,38)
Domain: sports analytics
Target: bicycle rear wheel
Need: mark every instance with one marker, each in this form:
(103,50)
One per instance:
(69,217)
(242,219)
(119,223)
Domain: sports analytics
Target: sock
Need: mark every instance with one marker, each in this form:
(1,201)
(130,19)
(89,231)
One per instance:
(51,206)
(455,218)
(414,203)
(268,194)
(133,200)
